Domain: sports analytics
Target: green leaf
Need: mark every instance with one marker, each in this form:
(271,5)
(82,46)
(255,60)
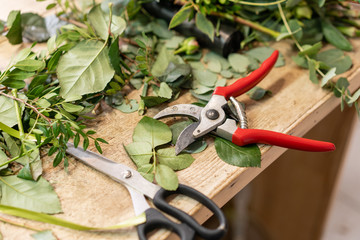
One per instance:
(262,53)
(128,106)
(14,34)
(44,235)
(36,196)
(7,110)
(146,170)
(328,76)
(341,84)
(257,93)
(238,62)
(72,107)
(99,20)
(90,72)
(12,83)
(151,101)
(335,58)
(160,28)
(152,131)
(214,65)
(18,74)
(165,91)
(248,156)
(182,15)
(334,36)
(312,71)
(354,97)
(311,50)
(166,177)
(204,25)
(30,65)
(166,156)
(45,218)
(205,77)
(139,152)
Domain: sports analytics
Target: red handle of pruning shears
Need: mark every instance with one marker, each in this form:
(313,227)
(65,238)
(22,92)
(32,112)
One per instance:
(249,136)
(243,85)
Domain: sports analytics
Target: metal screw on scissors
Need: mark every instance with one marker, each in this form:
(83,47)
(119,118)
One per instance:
(214,118)
(139,186)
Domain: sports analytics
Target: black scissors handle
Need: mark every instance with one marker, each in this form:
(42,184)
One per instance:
(156,220)
(206,233)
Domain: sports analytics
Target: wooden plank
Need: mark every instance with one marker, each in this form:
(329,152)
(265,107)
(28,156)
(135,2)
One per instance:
(89,198)
(291,198)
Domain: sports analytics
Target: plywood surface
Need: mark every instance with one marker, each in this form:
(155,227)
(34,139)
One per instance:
(89,198)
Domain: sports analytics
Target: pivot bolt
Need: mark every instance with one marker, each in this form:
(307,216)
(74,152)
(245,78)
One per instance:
(127,174)
(212,114)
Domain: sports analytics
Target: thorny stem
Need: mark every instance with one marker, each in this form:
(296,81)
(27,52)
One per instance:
(27,104)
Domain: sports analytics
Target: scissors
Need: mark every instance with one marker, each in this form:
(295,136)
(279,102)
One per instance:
(218,117)
(139,186)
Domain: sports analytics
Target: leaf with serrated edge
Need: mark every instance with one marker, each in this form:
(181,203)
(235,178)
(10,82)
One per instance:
(84,69)
(166,177)
(168,157)
(248,156)
(139,152)
(152,131)
(36,196)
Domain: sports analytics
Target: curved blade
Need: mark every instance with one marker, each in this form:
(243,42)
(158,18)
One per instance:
(186,138)
(187,110)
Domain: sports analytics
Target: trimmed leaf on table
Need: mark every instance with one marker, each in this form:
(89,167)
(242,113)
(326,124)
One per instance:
(166,156)
(139,152)
(166,177)
(247,156)
(36,196)
(88,74)
(152,131)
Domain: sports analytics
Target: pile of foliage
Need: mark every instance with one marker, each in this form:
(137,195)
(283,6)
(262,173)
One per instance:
(99,52)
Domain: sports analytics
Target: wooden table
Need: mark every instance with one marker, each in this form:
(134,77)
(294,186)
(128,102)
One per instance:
(289,201)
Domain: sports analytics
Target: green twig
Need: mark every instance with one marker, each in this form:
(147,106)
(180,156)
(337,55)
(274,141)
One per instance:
(243,21)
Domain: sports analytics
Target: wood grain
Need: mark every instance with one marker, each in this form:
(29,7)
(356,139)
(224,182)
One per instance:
(89,198)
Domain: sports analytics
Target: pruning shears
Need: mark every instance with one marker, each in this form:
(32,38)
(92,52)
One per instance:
(138,186)
(220,118)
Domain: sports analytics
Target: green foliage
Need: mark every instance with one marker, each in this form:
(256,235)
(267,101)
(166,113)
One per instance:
(249,156)
(36,196)
(151,160)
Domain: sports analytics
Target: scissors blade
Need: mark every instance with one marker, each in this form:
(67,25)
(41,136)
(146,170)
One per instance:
(186,138)
(117,171)
(138,200)
(186,110)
